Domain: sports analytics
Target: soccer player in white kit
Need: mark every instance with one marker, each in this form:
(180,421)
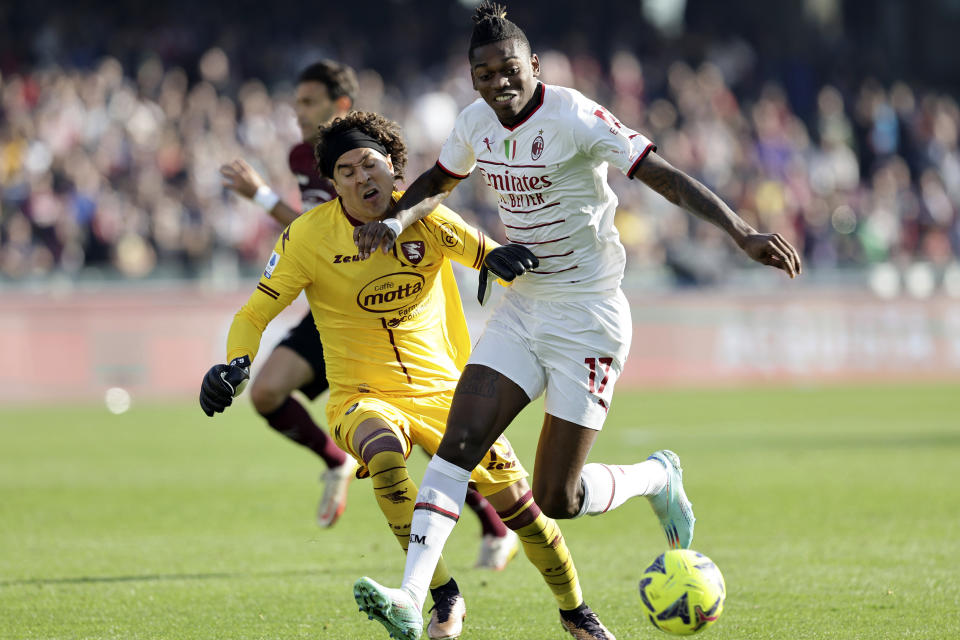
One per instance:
(563,328)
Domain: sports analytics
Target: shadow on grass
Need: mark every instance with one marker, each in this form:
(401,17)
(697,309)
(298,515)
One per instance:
(159,577)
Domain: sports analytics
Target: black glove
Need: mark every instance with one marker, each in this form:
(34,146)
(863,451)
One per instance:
(506,262)
(222,383)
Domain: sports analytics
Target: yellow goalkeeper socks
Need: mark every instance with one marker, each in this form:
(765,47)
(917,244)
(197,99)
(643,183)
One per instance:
(547,550)
(396,492)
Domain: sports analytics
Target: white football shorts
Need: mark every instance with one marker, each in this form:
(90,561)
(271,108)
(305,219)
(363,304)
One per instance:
(573,351)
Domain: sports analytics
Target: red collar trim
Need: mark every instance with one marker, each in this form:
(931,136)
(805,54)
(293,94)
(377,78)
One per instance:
(543,95)
(353,221)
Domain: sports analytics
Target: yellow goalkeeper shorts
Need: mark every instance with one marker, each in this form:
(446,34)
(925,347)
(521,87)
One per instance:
(422,421)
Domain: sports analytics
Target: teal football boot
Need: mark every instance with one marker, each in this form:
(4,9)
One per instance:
(671,505)
(393,608)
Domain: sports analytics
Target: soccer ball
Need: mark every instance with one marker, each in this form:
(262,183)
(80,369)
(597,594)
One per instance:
(682,592)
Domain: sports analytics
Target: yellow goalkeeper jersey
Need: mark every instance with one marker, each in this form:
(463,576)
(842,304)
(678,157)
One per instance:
(390,325)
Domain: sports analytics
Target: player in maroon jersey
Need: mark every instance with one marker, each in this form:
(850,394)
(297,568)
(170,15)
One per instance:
(325,90)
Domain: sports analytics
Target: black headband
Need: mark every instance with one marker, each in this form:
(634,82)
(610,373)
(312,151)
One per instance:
(339,143)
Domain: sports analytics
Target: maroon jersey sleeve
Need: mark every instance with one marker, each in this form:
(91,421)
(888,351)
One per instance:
(314,190)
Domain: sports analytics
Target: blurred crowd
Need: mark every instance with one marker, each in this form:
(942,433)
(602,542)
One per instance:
(111,170)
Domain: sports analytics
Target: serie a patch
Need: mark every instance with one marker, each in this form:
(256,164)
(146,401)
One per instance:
(271,265)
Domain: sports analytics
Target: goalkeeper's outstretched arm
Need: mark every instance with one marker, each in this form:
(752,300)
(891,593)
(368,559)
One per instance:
(223,382)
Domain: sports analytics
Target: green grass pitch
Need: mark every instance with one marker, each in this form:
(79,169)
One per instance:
(833,513)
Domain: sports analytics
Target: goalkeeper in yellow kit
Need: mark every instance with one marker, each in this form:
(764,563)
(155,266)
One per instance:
(395,341)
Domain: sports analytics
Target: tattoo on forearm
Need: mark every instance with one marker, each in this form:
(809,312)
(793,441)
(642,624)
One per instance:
(686,192)
(661,179)
(478,382)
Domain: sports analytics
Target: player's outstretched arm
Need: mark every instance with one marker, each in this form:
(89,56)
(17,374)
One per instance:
(423,196)
(241,178)
(682,190)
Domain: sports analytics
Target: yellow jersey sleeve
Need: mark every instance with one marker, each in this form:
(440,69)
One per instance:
(456,239)
(289,271)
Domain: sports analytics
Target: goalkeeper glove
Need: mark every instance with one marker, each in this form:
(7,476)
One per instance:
(506,262)
(222,383)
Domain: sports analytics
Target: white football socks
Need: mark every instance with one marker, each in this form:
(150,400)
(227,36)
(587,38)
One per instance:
(439,502)
(607,486)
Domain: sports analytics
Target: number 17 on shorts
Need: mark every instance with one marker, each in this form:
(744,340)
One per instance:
(597,378)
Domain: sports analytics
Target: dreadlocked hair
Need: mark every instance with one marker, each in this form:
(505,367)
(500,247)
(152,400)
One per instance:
(491,25)
(375,126)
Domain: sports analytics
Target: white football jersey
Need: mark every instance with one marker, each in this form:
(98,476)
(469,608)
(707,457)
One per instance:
(550,173)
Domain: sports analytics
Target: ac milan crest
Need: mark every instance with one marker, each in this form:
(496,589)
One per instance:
(413,251)
(537,148)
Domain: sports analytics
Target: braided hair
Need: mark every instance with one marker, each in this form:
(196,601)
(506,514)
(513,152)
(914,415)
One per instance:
(491,25)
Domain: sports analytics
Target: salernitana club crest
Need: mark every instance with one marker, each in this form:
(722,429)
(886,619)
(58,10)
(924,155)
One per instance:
(413,251)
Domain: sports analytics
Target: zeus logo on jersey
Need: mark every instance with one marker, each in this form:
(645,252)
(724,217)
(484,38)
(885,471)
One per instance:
(271,265)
